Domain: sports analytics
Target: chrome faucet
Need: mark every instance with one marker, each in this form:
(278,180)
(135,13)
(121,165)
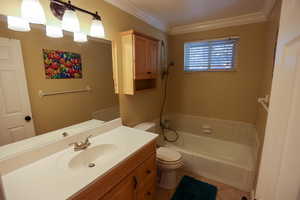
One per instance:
(78,146)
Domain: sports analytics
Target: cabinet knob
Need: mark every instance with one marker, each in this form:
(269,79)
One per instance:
(148,72)
(148,171)
(149,193)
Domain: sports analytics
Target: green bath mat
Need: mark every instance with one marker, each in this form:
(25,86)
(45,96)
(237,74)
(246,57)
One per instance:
(192,189)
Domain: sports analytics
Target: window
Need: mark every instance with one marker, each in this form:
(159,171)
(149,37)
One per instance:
(212,55)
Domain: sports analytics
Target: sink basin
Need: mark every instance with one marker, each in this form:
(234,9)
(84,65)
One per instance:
(88,158)
(92,156)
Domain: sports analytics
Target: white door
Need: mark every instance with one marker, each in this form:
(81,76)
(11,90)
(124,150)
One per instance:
(15,110)
(279,174)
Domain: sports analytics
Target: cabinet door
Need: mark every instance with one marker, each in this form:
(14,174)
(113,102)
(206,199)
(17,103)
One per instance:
(152,61)
(126,190)
(140,57)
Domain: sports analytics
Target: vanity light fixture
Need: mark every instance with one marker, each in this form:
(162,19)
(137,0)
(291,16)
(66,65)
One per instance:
(18,24)
(70,21)
(80,37)
(97,28)
(33,12)
(65,11)
(54,31)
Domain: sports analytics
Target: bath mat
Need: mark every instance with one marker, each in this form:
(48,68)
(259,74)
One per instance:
(192,189)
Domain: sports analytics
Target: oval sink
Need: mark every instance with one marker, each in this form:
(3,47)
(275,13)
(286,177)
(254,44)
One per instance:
(92,156)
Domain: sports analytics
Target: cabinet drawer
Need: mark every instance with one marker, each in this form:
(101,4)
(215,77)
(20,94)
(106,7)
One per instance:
(147,193)
(146,172)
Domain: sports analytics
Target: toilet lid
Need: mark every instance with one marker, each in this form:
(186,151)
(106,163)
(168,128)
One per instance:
(167,154)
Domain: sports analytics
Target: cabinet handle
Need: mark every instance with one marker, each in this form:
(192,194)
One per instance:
(135,182)
(148,72)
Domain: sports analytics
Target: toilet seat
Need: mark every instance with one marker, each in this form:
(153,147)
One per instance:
(170,165)
(167,156)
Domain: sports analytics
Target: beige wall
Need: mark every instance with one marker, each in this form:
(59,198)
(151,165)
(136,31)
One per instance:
(271,39)
(50,113)
(265,88)
(223,95)
(134,109)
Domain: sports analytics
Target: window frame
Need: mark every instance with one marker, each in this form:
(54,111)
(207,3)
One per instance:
(235,56)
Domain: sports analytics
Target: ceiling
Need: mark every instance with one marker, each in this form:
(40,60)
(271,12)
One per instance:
(169,14)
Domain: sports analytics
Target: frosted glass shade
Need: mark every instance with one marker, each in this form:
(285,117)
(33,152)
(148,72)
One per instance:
(97,29)
(80,37)
(54,31)
(70,21)
(33,12)
(18,24)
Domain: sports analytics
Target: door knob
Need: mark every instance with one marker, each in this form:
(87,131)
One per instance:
(28,118)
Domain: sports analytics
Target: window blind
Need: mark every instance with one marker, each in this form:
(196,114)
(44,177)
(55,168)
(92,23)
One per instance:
(210,55)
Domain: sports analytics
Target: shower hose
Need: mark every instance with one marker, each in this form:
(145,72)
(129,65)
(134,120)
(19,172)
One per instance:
(165,77)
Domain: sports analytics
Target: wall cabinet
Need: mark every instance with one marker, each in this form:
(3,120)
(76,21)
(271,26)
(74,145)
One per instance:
(133,179)
(140,61)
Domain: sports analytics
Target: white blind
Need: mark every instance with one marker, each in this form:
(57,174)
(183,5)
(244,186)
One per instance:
(210,55)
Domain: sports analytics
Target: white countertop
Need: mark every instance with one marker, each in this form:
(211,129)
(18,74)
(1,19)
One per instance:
(41,140)
(51,179)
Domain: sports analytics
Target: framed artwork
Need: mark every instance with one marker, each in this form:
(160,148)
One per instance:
(62,65)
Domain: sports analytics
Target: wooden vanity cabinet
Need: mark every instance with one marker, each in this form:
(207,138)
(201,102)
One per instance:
(126,189)
(133,179)
(140,61)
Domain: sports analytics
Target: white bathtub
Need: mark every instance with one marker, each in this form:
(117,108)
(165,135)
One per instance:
(226,155)
(227,162)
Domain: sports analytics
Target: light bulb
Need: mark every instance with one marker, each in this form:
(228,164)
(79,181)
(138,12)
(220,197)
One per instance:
(80,37)
(54,31)
(70,21)
(33,12)
(97,29)
(18,24)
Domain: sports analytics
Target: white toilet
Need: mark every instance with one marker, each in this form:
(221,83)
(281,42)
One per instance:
(168,161)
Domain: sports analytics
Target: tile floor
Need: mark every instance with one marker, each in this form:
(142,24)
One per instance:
(225,192)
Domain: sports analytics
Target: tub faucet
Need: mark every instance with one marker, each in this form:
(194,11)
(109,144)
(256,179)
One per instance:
(78,146)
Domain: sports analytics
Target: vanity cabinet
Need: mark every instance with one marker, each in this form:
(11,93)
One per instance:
(133,179)
(139,61)
(124,190)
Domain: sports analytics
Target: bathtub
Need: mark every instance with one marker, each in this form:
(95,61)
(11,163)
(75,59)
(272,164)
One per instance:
(227,154)
(223,161)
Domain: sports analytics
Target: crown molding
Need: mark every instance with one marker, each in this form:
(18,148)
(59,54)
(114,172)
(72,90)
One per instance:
(128,7)
(256,17)
(219,23)
(268,7)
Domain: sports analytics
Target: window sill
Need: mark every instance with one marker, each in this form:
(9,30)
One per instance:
(211,70)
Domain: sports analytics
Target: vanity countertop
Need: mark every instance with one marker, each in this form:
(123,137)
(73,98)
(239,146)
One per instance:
(55,177)
(50,137)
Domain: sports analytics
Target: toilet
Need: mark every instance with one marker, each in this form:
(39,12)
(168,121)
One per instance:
(168,161)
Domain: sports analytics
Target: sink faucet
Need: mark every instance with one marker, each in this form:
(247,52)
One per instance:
(78,146)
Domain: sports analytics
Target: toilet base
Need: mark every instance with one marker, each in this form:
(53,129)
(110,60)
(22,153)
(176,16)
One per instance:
(167,179)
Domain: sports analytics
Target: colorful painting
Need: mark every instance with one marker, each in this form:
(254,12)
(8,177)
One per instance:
(62,65)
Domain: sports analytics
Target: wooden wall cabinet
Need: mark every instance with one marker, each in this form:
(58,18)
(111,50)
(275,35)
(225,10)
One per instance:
(133,179)
(140,61)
